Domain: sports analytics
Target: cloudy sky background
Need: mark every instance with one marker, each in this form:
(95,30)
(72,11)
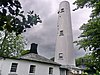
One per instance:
(44,34)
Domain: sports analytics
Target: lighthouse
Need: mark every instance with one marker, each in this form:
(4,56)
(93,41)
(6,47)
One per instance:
(64,53)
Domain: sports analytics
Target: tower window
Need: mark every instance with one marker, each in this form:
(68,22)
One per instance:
(61,55)
(61,33)
(57,25)
(32,69)
(50,71)
(62,10)
(58,12)
(13,67)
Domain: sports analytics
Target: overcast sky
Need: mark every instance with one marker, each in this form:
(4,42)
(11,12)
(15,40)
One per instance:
(44,34)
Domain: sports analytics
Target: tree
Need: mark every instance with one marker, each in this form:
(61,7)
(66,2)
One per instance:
(94,4)
(14,21)
(90,36)
(87,63)
(25,52)
(11,45)
(12,18)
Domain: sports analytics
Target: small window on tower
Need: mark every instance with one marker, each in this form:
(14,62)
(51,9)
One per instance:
(57,25)
(61,33)
(61,55)
(58,12)
(62,10)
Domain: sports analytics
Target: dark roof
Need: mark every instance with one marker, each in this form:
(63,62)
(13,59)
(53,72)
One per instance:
(34,58)
(69,67)
(38,58)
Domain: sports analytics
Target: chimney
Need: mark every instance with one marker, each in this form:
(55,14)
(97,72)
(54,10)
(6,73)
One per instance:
(34,48)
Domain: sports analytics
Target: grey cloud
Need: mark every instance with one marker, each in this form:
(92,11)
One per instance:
(79,53)
(79,17)
(41,7)
(46,37)
(76,34)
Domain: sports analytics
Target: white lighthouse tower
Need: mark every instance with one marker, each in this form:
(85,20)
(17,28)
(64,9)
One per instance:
(64,53)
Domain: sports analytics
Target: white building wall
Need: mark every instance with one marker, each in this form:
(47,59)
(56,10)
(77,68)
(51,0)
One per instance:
(24,67)
(64,44)
(1,62)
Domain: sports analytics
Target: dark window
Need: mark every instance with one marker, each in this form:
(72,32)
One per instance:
(13,67)
(32,69)
(57,25)
(58,12)
(77,72)
(50,70)
(61,55)
(62,10)
(61,33)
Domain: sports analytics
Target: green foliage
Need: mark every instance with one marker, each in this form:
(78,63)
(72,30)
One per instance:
(90,36)
(13,22)
(25,52)
(12,17)
(94,4)
(87,62)
(11,45)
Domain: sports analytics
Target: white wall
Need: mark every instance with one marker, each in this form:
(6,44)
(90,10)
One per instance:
(1,61)
(64,44)
(24,66)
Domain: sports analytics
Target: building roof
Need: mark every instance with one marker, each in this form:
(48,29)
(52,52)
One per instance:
(34,58)
(70,67)
(38,58)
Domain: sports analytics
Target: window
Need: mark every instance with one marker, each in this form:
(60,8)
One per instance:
(50,70)
(58,12)
(61,33)
(13,67)
(32,69)
(62,10)
(61,55)
(77,72)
